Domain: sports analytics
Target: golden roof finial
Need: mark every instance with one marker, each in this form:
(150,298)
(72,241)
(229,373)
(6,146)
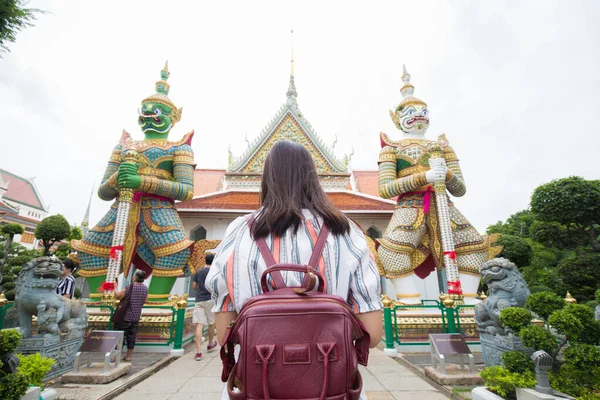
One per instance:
(570,299)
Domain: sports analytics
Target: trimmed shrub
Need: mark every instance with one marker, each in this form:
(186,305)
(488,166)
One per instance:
(515,318)
(538,338)
(544,304)
(504,383)
(13,386)
(517,362)
(35,367)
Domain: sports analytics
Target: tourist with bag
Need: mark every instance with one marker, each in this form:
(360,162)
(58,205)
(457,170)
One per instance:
(127,315)
(296,290)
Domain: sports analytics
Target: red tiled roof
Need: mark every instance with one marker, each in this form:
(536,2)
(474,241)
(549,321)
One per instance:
(20,219)
(210,181)
(21,190)
(207,181)
(242,200)
(367,182)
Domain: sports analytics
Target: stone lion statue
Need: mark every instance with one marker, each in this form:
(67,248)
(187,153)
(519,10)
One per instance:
(35,294)
(506,288)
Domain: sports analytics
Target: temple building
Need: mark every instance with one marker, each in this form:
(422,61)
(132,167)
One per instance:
(20,202)
(220,196)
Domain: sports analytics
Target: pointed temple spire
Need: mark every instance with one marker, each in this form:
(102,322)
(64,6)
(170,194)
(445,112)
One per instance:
(291,92)
(85,224)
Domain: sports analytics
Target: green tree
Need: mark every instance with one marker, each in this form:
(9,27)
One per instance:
(518,224)
(572,202)
(75,234)
(581,274)
(64,249)
(51,230)
(11,230)
(516,249)
(14,17)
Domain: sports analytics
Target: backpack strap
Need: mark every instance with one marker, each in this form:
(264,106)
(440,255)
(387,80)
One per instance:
(270,260)
(266,253)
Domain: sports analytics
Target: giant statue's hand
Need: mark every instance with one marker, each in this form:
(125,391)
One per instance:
(128,177)
(437,171)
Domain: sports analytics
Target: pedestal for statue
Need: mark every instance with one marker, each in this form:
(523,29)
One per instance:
(61,348)
(493,346)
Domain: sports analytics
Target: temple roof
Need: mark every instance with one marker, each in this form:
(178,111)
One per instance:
(288,124)
(211,180)
(22,191)
(246,201)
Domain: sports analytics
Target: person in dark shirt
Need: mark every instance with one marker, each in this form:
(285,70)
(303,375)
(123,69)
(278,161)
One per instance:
(203,314)
(66,287)
(137,293)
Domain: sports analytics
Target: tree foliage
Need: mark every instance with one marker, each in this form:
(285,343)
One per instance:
(544,304)
(573,203)
(14,17)
(515,249)
(581,274)
(52,229)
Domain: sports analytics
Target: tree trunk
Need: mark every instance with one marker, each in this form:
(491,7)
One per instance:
(47,245)
(9,242)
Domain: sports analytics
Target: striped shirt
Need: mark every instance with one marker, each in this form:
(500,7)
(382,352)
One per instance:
(346,264)
(66,286)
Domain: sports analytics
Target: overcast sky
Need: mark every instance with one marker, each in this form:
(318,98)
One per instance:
(514,85)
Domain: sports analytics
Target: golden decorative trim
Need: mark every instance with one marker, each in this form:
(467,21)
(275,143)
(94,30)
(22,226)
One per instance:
(413,169)
(96,295)
(172,248)
(147,216)
(103,229)
(474,295)
(168,272)
(465,271)
(158,296)
(91,273)
(408,296)
(160,173)
(141,145)
(130,242)
(94,250)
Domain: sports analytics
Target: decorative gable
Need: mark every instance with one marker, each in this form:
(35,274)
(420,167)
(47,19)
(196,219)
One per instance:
(288,124)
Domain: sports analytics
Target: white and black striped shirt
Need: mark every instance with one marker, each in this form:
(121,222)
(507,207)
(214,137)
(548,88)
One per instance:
(66,286)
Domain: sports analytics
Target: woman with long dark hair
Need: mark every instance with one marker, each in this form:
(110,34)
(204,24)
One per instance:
(294,209)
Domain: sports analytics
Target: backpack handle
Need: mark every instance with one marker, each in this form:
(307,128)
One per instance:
(308,283)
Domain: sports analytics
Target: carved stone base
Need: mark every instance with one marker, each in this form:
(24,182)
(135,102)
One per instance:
(61,350)
(493,346)
(95,375)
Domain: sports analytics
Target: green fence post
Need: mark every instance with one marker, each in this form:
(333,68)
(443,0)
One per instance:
(179,308)
(389,328)
(449,305)
(3,308)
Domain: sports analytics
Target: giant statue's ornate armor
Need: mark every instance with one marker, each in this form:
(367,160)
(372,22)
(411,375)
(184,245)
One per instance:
(155,240)
(411,247)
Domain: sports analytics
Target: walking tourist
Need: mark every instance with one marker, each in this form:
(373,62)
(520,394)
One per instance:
(294,210)
(136,295)
(203,314)
(66,286)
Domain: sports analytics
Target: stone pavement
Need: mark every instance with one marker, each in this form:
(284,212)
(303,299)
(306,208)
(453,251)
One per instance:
(185,378)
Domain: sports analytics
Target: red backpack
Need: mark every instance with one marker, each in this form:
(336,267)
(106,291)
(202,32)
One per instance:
(295,343)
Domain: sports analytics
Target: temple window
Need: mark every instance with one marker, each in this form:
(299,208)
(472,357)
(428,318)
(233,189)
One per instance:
(198,233)
(373,232)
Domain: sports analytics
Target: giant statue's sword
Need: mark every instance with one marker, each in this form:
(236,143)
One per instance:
(443,213)
(118,240)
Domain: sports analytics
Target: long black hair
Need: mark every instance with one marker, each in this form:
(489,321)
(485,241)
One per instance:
(290,183)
